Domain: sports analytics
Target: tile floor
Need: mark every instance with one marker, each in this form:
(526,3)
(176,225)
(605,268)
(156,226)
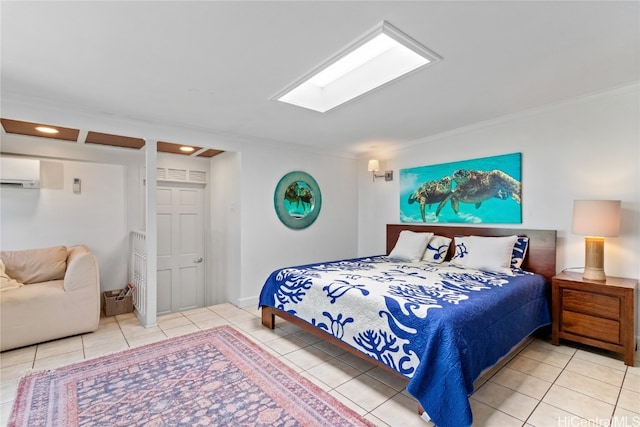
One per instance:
(537,385)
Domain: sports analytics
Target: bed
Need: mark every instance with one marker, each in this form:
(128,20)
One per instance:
(438,324)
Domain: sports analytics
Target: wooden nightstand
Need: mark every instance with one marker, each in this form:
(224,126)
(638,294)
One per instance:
(596,313)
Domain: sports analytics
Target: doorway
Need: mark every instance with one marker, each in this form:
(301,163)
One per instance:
(181,262)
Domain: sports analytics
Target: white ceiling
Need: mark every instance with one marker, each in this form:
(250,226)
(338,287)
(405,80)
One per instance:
(215,65)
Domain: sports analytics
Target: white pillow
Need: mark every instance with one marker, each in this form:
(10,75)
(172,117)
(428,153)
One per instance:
(410,246)
(486,253)
(437,249)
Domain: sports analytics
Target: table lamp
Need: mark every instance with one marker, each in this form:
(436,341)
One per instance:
(595,219)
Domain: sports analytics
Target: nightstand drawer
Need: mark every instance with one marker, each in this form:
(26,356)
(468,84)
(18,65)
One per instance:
(590,303)
(590,326)
(596,313)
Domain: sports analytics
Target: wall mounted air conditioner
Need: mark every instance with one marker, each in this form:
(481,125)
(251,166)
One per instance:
(19,173)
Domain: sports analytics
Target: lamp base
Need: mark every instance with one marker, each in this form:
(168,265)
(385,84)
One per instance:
(594,259)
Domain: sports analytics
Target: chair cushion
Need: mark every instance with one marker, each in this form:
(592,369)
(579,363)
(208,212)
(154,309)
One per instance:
(36,265)
(6,282)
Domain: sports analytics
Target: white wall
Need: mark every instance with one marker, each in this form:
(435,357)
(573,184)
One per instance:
(266,243)
(224,265)
(54,215)
(586,148)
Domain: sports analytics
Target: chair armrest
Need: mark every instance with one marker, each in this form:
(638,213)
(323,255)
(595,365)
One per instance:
(82,270)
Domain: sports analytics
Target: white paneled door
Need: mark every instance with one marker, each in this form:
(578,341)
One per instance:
(180,248)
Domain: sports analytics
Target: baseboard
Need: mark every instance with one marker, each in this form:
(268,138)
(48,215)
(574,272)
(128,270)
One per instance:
(249,302)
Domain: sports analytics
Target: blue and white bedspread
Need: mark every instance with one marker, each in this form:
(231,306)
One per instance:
(436,324)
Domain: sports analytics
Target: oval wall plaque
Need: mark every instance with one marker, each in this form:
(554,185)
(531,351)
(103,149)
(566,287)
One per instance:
(297,200)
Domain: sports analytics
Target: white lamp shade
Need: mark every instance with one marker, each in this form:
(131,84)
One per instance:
(596,217)
(374,166)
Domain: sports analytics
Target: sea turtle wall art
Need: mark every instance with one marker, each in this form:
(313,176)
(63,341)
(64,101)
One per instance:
(485,190)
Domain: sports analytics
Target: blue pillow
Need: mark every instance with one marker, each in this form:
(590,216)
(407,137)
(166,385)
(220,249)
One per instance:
(519,252)
(461,250)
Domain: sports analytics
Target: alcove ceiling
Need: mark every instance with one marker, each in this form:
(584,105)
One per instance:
(215,66)
(18,127)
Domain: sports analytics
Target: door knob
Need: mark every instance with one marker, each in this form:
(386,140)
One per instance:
(198,260)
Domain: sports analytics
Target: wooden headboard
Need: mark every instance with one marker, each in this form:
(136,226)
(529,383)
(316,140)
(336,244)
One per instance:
(541,254)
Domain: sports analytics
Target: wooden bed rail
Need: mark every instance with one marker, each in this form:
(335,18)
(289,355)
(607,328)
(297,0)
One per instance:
(269,321)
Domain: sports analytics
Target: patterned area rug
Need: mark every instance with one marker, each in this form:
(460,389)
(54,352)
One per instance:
(215,377)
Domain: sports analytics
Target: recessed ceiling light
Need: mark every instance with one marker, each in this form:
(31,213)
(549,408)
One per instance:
(46,129)
(187,149)
(380,56)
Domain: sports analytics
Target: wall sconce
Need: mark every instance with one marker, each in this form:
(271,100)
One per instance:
(374,166)
(596,219)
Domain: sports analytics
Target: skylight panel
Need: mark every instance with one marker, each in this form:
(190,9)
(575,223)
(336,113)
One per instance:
(359,57)
(382,55)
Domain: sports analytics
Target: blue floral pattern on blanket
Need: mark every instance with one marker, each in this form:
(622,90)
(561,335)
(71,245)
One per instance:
(437,324)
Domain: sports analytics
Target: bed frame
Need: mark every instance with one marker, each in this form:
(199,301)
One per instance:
(540,258)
